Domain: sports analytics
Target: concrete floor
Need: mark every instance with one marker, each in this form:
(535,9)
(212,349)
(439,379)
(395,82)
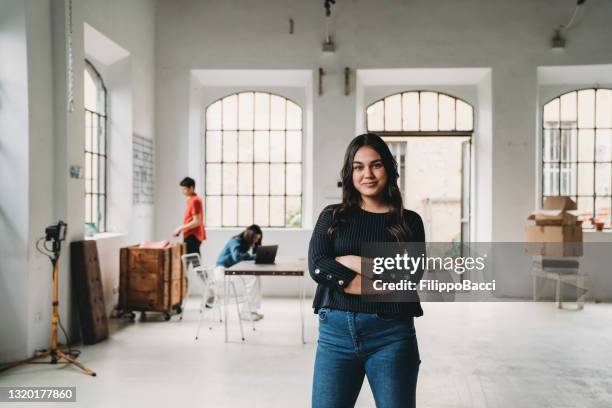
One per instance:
(474,355)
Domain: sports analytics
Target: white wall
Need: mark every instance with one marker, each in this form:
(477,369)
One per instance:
(511,39)
(14,198)
(41,139)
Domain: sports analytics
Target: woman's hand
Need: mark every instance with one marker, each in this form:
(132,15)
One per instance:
(354,286)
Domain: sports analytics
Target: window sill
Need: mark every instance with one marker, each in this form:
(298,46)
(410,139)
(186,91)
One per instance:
(106,235)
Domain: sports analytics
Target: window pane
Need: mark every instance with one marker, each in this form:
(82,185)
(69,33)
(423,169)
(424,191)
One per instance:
(277,146)
(586,108)
(102,175)
(294,211)
(602,210)
(262,211)
(230,146)
(213,116)
(551,114)
(277,211)
(88,208)
(101,135)
(603,152)
(568,109)
(102,211)
(447,113)
(94,134)
(91,91)
(230,179)
(245,146)
(393,112)
(88,130)
(376,116)
(604,108)
(245,178)
(294,146)
(213,179)
(262,178)
(213,146)
(245,210)
(603,179)
(568,179)
(294,116)
(569,144)
(277,179)
(586,145)
(246,106)
(585,179)
(87,172)
(94,209)
(294,179)
(261,145)
(551,178)
(230,112)
(551,147)
(585,210)
(278,112)
(465,116)
(410,110)
(262,111)
(94,173)
(213,211)
(429,111)
(230,211)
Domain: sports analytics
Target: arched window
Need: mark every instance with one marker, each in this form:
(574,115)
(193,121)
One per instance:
(95,149)
(429,133)
(253,151)
(577,151)
(421,111)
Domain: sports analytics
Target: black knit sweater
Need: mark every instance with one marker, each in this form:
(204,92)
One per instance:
(332,277)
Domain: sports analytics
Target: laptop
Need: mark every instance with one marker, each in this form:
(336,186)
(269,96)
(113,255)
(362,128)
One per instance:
(266,254)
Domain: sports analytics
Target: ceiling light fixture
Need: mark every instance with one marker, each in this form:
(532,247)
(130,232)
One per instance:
(328,45)
(557,43)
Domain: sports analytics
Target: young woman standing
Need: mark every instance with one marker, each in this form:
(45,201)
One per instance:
(358,338)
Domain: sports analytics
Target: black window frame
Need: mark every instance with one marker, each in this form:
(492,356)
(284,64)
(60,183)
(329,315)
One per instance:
(99,220)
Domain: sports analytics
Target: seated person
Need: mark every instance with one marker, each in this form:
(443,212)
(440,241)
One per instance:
(236,250)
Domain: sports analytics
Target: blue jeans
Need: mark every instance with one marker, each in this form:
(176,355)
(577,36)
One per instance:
(352,345)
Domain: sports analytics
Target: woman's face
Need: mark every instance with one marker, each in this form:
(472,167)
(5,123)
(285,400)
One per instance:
(369,174)
(255,239)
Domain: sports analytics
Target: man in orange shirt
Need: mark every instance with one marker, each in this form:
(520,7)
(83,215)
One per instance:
(193,220)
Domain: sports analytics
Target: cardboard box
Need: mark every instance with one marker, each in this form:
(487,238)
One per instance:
(554,240)
(559,210)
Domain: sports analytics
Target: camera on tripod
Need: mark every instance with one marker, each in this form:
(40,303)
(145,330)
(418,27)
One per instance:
(57,234)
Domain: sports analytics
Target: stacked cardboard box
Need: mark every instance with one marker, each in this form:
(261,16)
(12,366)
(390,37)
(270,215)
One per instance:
(557,231)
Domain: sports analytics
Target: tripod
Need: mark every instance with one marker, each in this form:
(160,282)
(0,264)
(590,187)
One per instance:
(54,351)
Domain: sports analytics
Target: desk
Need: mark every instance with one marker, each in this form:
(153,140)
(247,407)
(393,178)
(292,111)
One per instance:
(282,267)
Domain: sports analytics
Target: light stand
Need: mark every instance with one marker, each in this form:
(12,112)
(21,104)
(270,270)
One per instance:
(55,233)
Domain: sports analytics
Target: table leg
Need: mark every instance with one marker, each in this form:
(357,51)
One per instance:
(302,296)
(225,294)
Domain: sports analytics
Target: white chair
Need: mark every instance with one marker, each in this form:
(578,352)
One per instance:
(209,285)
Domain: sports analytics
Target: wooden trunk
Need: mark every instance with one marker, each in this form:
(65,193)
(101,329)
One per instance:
(152,279)
(87,285)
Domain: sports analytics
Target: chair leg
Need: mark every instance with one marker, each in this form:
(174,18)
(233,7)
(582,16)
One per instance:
(211,316)
(250,313)
(202,310)
(237,309)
